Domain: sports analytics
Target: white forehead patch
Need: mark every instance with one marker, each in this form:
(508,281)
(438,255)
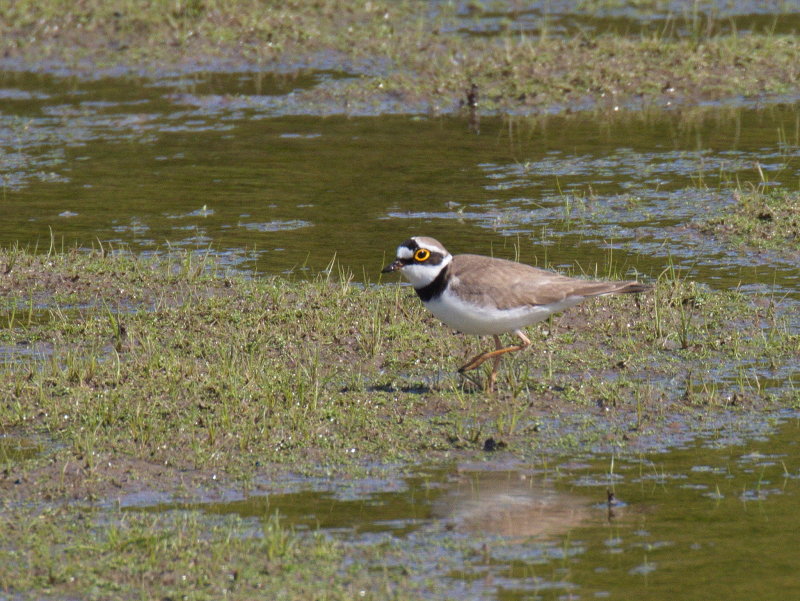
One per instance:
(429,243)
(403,252)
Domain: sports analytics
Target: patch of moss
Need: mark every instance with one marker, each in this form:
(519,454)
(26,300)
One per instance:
(761,218)
(170,362)
(89,553)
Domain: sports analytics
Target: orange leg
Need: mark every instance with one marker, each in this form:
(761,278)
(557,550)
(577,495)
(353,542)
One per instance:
(478,360)
(495,362)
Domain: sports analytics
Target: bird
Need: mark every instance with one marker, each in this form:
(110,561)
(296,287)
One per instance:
(476,294)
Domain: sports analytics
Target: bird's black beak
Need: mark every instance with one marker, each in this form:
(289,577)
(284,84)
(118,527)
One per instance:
(392,266)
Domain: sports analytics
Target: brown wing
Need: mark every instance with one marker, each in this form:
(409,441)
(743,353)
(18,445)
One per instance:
(506,284)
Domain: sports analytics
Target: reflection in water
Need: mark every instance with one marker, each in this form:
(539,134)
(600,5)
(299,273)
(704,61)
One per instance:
(511,504)
(683,523)
(507,503)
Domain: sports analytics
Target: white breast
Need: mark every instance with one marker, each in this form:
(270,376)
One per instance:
(473,319)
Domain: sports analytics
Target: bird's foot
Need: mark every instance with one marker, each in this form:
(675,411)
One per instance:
(474,363)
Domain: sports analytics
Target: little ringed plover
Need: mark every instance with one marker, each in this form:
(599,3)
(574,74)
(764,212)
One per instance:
(482,295)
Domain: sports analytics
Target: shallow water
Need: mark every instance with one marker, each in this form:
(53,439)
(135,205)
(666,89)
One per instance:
(702,518)
(676,18)
(229,162)
(16,448)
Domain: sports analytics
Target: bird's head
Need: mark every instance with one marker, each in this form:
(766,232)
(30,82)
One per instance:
(420,260)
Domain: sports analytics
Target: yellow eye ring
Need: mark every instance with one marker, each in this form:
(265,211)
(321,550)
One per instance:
(422,254)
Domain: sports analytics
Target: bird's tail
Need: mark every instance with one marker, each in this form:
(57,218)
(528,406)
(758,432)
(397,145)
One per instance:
(630,288)
(603,288)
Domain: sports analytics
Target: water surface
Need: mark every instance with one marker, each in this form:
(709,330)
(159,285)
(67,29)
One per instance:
(226,163)
(693,19)
(708,516)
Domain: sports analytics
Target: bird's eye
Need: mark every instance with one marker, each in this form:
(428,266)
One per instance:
(422,254)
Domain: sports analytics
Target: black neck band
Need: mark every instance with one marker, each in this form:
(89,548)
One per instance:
(435,288)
